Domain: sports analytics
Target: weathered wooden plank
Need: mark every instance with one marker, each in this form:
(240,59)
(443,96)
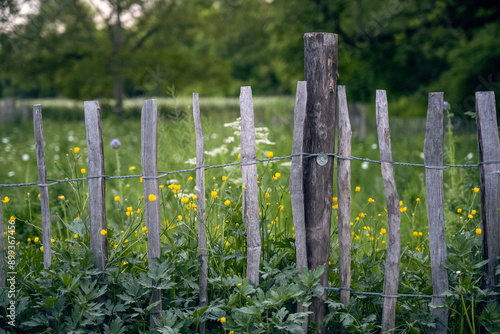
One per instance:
(320,72)
(393,213)
(297,183)
(97,184)
(344,196)
(3,273)
(250,192)
(201,213)
(44,191)
(149,145)
(489,150)
(296,176)
(433,152)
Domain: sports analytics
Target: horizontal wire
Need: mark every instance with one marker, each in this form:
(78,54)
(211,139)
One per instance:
(256,161)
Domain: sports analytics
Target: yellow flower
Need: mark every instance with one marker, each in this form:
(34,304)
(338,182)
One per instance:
(36,239)
(403,209)
(243,187)
(383,231)
(41,248)
(371,200)
(75,236)
(61,197)
(227,203)
(76,150)
(214,193)
(124,263)
(361,215)
(117,198)
(216,228)
(104,232)
(335,199)
(161,186)
(6,199)
(266,195)
(179,217)
(139,210)
(476,190)
(418,249)
(83,171)
(129,209)
(190,178)
(270,154)
(144,228)
(185,200)
(12,218)
(239,157)
(356,237)
(473,212)
(224,178)
(131,168)
(418,199)
(194,197)
(222,320)
(479,231)
(357,189)
(140,179)
(400,203)
(415,233)
(282,207)
(459,210)
(29,239)
(152,197)
(470,216)
(52,240)
(420,234)
(335,207)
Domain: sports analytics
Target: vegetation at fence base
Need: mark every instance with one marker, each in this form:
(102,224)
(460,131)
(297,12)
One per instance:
(117,300)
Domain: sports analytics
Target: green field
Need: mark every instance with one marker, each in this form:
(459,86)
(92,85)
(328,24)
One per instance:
(269,308)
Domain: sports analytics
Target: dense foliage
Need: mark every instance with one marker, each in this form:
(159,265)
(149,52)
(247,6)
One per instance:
(110,48)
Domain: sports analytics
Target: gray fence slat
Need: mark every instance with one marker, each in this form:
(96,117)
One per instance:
(97,185)
(44,191)
(489,150)
(201,213)
(344,196)
(392,201)
(149,145)
(250,194)
(433,152)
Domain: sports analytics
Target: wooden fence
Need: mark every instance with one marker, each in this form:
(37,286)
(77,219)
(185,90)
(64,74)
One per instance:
(308,192)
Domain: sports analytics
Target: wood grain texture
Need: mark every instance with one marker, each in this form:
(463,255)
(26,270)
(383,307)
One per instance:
(149,156)
(344,196)
(320,72)
(250,194)
(201,212)
(392,201)
(44,191)
(297,184)
(97,184)
(433,152)
(489,150)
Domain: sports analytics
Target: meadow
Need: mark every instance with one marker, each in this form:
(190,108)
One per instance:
(118,302)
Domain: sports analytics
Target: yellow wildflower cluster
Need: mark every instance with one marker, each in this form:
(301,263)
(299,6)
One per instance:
(276,176)
(175,187)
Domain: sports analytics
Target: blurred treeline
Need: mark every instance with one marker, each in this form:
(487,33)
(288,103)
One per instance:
(89,49)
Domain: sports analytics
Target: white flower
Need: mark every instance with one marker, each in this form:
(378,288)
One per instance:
(364,165)
(25,157)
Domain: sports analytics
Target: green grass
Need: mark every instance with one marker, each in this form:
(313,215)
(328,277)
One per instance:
(127,269)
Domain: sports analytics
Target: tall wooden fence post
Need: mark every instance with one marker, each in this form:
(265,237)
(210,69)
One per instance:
(433,153)
(149,156)
(320,72)
(200,193)
(44,191)
(489,151)
(344,197)
(250,192)
(97,184)
(392,201)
